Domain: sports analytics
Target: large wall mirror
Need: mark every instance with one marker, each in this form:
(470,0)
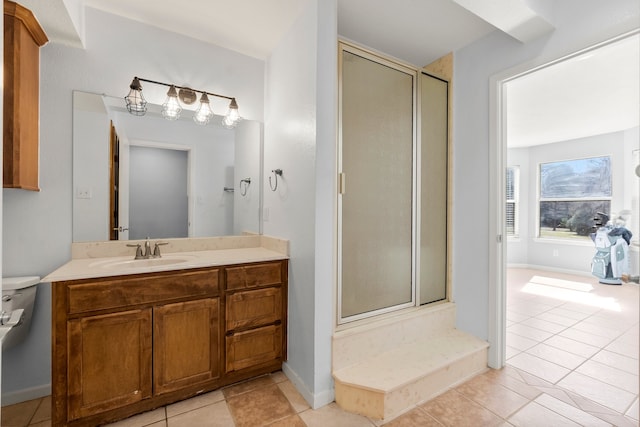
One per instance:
(138,177)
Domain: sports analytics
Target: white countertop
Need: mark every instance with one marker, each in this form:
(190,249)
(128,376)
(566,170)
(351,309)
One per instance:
(87,268)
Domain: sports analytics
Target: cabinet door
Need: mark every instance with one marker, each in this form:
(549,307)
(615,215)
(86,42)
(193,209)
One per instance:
(23,37)
(109,360)
(254,347)
(186,346)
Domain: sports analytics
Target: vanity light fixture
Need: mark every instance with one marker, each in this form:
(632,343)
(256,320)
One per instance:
(171,109)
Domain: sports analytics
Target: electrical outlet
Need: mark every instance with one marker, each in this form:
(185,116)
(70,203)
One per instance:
(83,193)
(555,252)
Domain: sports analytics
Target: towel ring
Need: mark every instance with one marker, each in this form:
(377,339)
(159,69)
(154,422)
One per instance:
(275,172)
(243,189)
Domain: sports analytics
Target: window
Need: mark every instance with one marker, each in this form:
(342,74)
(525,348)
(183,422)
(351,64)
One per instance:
(571,193)
(512,196)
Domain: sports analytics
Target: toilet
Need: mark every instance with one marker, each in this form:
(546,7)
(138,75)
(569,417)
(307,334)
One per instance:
(18,298)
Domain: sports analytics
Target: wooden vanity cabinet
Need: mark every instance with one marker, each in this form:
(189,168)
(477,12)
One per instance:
(23,38)
(128,344)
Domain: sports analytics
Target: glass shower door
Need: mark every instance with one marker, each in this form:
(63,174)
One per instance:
(376,217)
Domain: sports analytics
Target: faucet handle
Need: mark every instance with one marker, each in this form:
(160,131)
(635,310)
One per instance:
(156,249)
(138,250)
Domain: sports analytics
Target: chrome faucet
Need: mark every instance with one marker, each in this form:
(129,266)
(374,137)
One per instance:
(147,249)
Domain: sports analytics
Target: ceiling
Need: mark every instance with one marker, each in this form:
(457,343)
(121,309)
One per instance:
(593,95)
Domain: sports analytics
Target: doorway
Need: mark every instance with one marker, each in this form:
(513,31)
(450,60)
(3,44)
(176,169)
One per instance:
(555,322)
(158,193)
(498,158)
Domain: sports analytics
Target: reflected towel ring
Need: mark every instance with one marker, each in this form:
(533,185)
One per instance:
(275,172)
(247,182)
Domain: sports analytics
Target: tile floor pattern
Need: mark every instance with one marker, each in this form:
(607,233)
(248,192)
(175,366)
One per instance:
(572,361)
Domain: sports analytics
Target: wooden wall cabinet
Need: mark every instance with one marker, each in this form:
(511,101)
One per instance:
(128,344)
(23,38)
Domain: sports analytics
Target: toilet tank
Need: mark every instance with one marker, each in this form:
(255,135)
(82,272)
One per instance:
(18,293)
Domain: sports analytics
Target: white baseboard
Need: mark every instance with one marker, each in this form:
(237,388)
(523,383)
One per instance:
(553,269)
(13,397)
(314,400)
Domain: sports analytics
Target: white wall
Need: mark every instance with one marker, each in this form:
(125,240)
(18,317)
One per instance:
(91,174)
(299,134)
(248,153)
(326,198)
(579,24)
(37,226)
(571,256)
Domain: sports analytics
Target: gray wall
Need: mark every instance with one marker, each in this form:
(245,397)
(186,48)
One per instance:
(37,226)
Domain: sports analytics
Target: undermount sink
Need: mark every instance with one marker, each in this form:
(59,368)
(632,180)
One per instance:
(141,263)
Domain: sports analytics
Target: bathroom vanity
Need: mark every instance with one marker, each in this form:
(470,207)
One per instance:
(133,335)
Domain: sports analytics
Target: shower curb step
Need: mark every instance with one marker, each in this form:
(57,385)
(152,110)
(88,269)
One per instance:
(390,383)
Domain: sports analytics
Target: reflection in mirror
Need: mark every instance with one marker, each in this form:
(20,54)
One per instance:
(138,177)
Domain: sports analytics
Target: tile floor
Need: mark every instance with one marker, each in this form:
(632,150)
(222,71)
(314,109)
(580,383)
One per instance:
(572,348)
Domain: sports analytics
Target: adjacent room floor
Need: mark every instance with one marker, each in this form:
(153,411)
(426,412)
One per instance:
(572,349)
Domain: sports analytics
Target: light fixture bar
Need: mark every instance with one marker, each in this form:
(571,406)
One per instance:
(171,109)
(230,98)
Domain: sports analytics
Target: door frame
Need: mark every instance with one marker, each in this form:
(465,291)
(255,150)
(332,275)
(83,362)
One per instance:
(497,166)
(124,180)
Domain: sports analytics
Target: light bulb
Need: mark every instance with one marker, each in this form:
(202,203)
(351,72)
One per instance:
(171,108)
(233,117)
(204,113)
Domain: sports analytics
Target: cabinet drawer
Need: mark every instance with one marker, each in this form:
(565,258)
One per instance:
(248,309)
(116,292)
(254,275)
(254,347)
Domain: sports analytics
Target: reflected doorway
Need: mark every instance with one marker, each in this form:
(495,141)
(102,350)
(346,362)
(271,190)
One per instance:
(158,192)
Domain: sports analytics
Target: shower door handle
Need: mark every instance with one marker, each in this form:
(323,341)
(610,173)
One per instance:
(342,178)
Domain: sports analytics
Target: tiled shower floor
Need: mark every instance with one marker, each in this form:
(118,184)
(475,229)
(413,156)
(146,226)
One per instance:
(572,349)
